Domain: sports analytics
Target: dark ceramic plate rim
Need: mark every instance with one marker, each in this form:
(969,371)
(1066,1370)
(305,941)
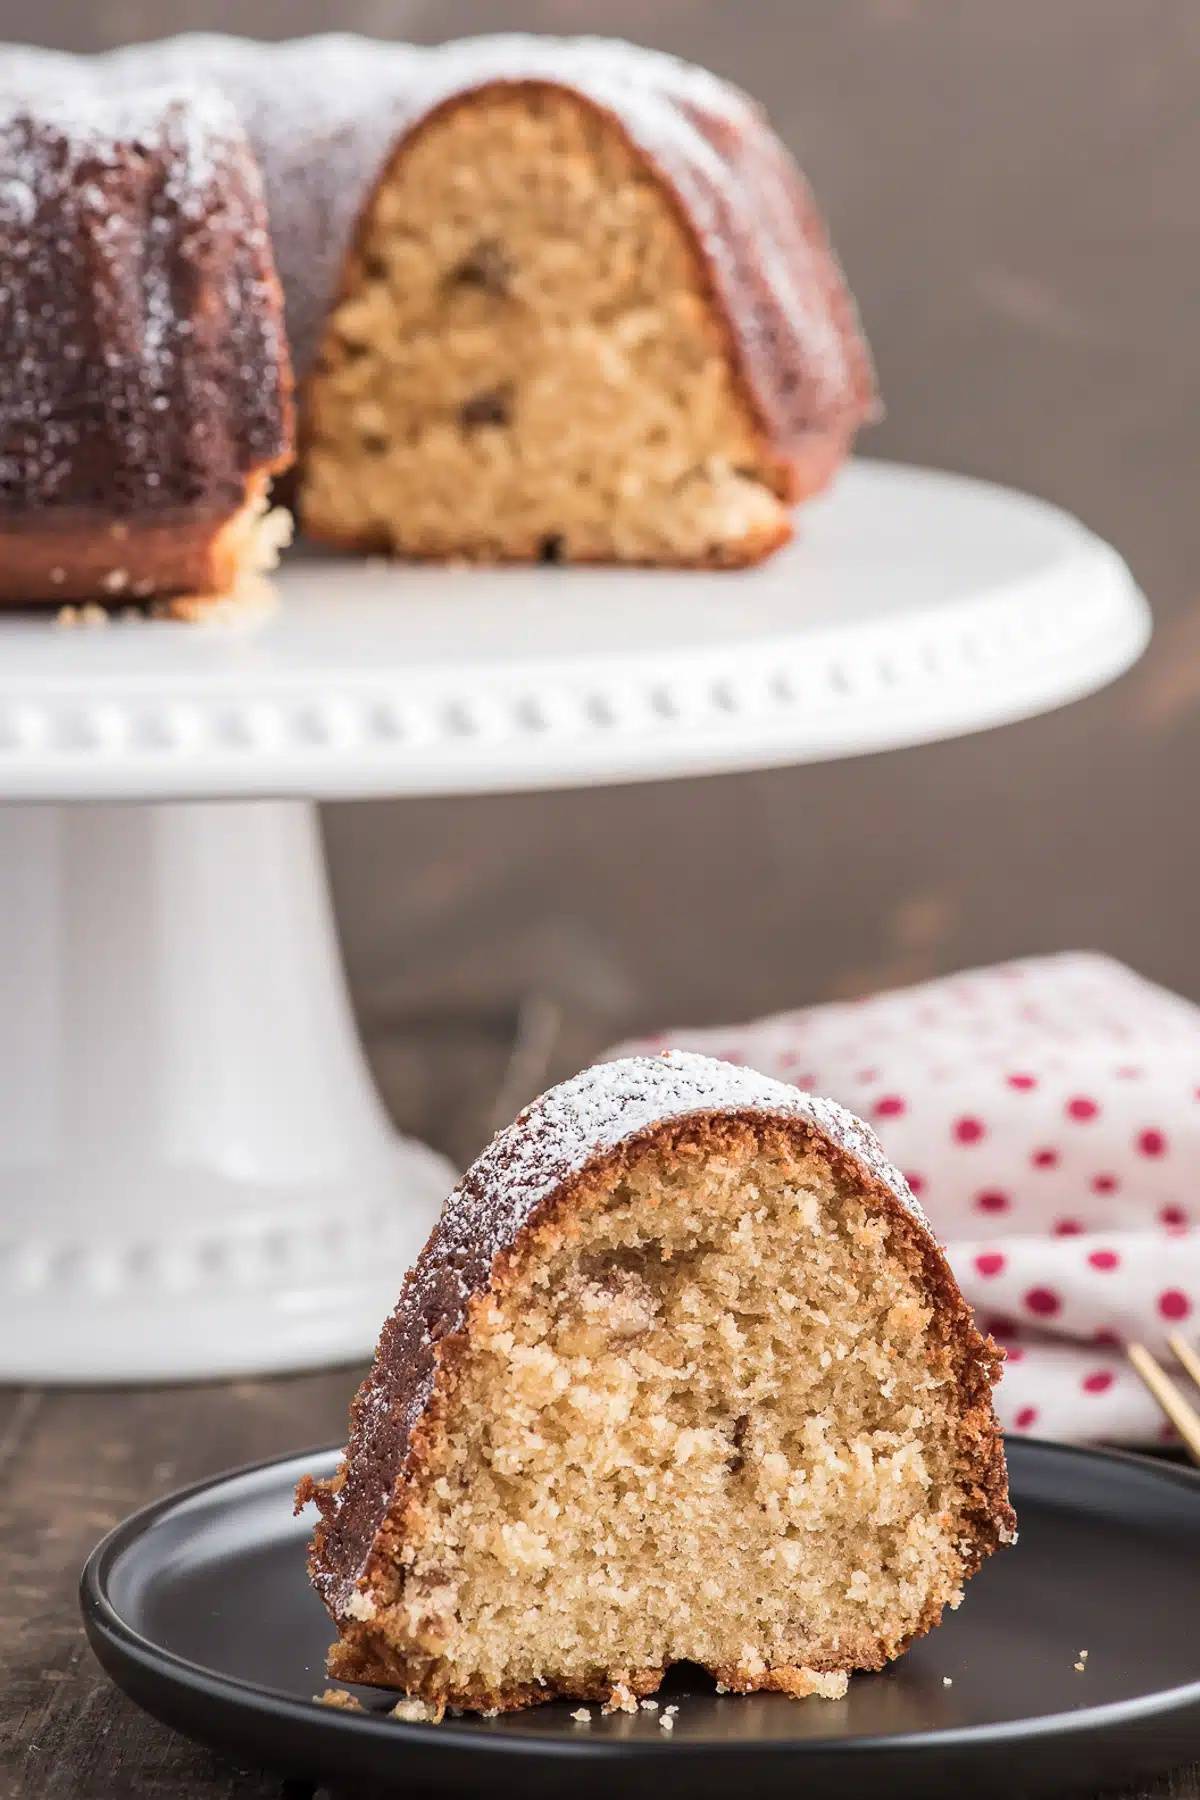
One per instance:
(103,1622)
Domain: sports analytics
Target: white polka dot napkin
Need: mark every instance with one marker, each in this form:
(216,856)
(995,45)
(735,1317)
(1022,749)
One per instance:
(1047,1114)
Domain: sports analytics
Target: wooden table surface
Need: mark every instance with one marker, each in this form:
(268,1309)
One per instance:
(73,1462)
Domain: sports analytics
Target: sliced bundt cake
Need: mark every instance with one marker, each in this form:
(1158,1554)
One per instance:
(680,1375)
(547,299)
(146,394)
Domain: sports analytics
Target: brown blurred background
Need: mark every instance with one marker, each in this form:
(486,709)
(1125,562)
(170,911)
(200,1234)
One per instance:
(1013,191)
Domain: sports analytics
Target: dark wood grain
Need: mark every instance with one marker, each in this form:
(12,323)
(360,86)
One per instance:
(78,1462)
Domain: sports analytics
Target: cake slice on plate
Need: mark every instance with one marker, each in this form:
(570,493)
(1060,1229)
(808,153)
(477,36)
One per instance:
(681,1375)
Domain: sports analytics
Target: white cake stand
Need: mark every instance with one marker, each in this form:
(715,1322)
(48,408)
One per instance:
(196,1175)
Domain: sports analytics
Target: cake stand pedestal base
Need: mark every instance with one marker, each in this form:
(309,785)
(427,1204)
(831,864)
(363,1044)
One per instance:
(197,1177)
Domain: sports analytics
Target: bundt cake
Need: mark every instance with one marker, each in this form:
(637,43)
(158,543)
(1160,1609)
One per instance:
(681,1375)
(556,300)
(145,399)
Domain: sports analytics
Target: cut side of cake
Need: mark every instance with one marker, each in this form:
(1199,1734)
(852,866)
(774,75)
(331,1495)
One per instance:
(146,401)
(528,363)
(681,1376)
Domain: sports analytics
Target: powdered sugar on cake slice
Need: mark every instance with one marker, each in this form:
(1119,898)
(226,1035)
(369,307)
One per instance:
(590,1115)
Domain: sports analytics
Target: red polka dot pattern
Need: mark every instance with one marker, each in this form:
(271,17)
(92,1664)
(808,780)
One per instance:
(1043,1301)
(1024,1084)
(1104,1259)
(1172,1215)
(1082,1108)
(1098,1382)
(1152,1143)
(1045,1158)
(1067,1228)
(1026,1418)
(991,1200)
(1105,1184)
(989,1263)
(891,1106)
(1174,1305)
(969,1130)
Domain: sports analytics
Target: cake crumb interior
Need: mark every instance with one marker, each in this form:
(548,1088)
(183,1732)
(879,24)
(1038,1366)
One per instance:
(525,363)
(710,1419)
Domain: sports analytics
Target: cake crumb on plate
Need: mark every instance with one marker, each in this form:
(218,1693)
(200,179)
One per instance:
(417,1712)
(622,1699)
(339,1697)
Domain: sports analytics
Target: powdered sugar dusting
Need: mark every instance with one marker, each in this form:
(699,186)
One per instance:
(136,295)
(563,1133)
(585,1118)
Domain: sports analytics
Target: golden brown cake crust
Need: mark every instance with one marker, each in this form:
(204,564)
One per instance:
(528,1181)
(739,553)
(70,557)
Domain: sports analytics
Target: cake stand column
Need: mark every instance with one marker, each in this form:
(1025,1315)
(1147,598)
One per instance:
(197,1177)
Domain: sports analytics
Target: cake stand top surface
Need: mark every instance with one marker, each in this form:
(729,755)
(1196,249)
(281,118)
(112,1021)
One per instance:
(912,606)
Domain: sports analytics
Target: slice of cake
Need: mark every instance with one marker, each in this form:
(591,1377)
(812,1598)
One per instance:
(146,398)
(589,314)
(681,1375)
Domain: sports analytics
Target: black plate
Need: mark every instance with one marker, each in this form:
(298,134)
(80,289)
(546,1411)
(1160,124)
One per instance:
(200,1609)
